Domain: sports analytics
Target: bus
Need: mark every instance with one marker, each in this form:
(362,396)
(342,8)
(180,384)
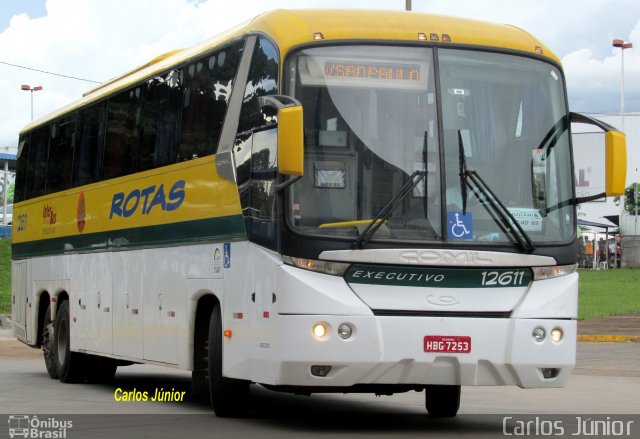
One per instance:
(314,201)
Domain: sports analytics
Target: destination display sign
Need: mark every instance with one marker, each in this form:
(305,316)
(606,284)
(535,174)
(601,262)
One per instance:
(387,71)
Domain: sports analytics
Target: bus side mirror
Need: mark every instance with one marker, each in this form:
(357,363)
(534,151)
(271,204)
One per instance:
(290,141)
(615,163)
(290,133)
(615,154)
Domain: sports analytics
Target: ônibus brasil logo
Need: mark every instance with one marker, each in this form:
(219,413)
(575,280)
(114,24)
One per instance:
(32,427)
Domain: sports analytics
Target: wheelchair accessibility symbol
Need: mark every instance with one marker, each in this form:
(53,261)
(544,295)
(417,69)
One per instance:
(459,225)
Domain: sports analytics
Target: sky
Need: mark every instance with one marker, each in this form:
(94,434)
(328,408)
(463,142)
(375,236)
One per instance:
(99,39)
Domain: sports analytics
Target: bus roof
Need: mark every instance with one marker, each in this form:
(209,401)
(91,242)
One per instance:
(291,28)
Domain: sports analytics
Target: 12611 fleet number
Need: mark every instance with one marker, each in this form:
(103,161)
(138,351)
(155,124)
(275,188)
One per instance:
(503,278)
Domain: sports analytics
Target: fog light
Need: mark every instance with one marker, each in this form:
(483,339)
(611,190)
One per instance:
(345,331)
(556,334)
(549,372)
(319,330)
(320,371)
(538,334)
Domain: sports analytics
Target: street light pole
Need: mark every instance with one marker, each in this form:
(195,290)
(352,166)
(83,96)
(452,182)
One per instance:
(622,45)
(27,87)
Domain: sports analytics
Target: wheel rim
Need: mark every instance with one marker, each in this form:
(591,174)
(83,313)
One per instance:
(62,341)
(46,341)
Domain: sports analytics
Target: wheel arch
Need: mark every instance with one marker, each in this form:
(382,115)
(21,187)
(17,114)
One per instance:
(204,302)
(43,302)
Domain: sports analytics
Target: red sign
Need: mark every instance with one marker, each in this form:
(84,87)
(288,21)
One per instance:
(447,343)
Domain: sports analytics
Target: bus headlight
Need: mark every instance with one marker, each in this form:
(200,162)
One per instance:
(344,331)
(556,335)
(538,334)
(541,273)
(319,330)
(326,267)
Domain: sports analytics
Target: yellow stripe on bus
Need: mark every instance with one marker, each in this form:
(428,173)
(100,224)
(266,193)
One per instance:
(182,192)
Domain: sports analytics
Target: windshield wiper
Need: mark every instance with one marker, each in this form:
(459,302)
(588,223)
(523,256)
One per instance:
(471,179)
(387,210)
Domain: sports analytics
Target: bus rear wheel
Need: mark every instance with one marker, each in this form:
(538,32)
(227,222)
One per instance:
(48,343)
(229,397)
(442,401)
(69,365)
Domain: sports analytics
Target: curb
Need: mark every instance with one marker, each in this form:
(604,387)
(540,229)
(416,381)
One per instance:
(610,338)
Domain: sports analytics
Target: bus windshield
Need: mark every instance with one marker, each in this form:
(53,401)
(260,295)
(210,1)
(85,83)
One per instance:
(490,146)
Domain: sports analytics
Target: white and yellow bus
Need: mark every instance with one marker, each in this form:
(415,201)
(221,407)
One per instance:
(412,229)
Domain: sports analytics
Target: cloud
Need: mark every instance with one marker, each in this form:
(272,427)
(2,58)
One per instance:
(594,83)
(99,40)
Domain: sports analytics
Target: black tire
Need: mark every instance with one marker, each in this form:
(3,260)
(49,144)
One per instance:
(442,401)
(229,397)
(48,344)
(69,365)
(200,373)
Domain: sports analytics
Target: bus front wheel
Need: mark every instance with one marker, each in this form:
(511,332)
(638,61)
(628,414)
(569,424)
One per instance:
(229,397)
(442,401)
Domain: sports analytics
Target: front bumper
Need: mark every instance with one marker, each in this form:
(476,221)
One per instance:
(390,350)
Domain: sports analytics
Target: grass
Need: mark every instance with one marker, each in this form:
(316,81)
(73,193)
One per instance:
(602,293)
(5,276)
(608,292)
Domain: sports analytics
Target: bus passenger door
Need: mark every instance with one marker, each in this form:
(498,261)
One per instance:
(95,286)
(128,268)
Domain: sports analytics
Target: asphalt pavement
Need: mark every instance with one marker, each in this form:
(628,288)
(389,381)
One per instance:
(606,381)
(625,328)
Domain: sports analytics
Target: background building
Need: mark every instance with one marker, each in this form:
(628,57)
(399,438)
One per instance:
(589,170)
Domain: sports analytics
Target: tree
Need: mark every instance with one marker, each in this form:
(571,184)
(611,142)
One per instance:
(631,198)
(10,191)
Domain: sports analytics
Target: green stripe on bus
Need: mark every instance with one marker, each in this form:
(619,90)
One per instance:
(230,228)
(438,277)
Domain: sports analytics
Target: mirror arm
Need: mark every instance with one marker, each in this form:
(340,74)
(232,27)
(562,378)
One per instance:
(285,184)
(580,200)
(581,118)
(276,102)
(576,201)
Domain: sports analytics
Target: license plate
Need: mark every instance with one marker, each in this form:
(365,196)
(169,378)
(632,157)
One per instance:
(447,343)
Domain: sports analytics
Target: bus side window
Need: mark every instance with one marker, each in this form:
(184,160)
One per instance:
(21,171)
(160,121)
(123,134)
(37,167)
(61,145)
(262,81)
(207,88)
(256,148)
(87,162)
